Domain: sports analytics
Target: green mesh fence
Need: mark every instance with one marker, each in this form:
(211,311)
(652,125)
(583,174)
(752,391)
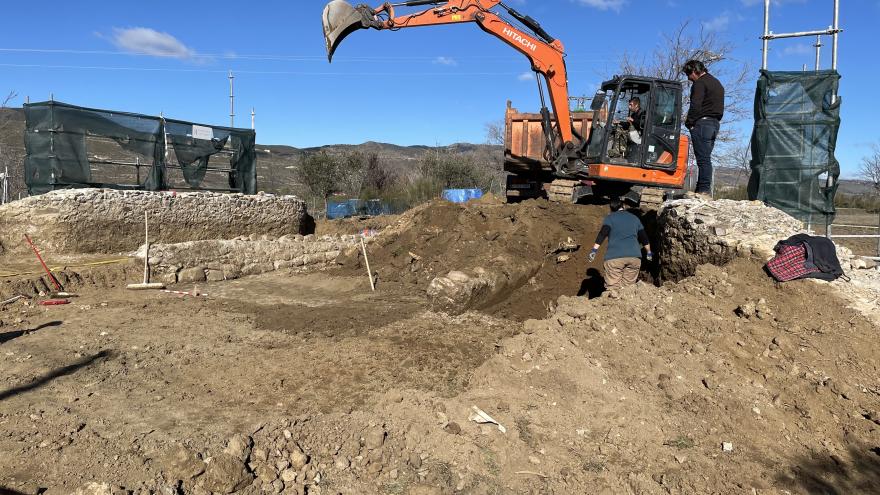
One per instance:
(797,117)
(70,146)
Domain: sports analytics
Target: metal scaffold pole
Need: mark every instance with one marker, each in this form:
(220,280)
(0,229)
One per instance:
(766,37)
(231,100)
(833,31)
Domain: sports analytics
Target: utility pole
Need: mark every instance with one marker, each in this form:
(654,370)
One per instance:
(231,100)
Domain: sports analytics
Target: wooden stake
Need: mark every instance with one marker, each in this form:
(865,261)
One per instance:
(146,248)
(369,273)
(146,283)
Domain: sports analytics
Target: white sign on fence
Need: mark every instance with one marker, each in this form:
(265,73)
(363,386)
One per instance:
(202,132)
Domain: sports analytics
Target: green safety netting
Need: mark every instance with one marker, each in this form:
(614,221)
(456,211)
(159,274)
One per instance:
(797,116)
(58,156)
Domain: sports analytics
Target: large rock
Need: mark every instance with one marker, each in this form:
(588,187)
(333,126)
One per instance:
(226,474)
(459,291)
(93,488)
(180,463)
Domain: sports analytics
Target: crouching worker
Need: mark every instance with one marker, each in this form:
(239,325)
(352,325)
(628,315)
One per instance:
(626,236)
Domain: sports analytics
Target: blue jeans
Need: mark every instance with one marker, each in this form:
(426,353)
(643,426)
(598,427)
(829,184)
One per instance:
(703,135)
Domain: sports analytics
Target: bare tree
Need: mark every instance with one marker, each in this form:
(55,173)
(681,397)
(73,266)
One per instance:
(684,44)
(376,178)
(495,132)
(870,167)
(11,151)
(737,156)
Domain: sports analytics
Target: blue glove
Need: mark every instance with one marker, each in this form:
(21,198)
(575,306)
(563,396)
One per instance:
(592,256)
(649,256)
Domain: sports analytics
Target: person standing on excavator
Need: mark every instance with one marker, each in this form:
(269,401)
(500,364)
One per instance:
(626,236)
(703,119)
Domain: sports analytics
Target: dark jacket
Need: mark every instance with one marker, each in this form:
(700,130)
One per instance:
(626,235)
(707,100)
(638,120)
(820,254)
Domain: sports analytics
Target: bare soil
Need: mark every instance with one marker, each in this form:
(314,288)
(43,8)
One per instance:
(632,392)
(440,237)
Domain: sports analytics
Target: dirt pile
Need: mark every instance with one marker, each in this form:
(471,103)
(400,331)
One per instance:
(511,260)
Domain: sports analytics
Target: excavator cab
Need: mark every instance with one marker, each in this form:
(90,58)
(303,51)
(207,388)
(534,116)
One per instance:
(637,123)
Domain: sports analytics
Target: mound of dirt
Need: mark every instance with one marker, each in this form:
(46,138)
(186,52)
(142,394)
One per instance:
(526,245)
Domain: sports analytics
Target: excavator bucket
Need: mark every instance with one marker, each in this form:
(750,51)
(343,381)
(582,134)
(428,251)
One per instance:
(340,19)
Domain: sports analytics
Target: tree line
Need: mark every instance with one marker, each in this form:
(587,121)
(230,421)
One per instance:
(366,175)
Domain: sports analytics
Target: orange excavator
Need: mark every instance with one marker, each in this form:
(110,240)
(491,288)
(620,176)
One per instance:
(631,146)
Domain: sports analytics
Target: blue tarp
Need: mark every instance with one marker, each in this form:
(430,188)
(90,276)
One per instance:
(462,195)
(357,207)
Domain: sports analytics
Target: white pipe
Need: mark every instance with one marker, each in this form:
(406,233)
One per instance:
(799,34)
(766,38)
(836,28)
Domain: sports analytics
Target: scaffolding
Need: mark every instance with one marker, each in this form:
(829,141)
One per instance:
(797,117)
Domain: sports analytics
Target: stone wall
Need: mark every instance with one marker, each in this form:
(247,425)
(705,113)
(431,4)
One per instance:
(694,232)
(78,221)
(213,260)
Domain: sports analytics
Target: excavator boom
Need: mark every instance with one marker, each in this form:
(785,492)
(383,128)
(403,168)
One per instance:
(545,53)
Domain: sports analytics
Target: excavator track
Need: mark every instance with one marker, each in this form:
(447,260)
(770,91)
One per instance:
(651,199)
(562,191)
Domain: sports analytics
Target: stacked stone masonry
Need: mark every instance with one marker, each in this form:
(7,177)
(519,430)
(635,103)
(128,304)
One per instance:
(694,232)
(75,221)
(219,259)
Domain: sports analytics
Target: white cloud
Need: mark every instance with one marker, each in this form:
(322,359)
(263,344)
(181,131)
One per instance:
(719,23)
(525,76)
(799,49)
(148,41)
(614,5)
(445,61)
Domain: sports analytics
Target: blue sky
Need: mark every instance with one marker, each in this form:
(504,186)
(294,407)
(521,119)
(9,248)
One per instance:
(436,85)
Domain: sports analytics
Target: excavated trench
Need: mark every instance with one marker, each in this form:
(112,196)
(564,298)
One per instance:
(511,261)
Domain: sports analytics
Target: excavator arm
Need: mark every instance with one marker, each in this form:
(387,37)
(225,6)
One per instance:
(545,54)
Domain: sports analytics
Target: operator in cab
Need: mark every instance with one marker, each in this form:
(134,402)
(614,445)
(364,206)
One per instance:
(634,125)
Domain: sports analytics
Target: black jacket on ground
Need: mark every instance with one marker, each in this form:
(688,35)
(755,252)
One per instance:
(820,253)
(707,100)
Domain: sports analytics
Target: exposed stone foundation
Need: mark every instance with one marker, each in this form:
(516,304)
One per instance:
(214,260)
(695,232)
(76,221)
